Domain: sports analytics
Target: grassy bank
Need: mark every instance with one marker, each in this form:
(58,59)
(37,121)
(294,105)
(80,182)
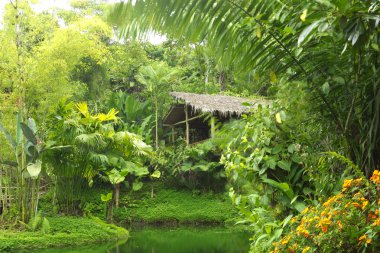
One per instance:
(173,206)
(64,231)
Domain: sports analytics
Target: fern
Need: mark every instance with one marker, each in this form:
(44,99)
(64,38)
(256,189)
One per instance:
(35,222)
(45,227)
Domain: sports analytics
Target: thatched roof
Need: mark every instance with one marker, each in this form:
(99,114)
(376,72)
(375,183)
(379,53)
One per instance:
(225,105)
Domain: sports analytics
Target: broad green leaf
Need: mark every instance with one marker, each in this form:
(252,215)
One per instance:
(106,197)
(307,31)
(296,158)
(32,125)
(284,165)
(277,149)
(326,88)
(29,134)
(8,136)
(156,174)
(291,148)
(137,185)
(115,178)
(282,186)
(339,79)
(286,220)
(263,236)
(299,206)
(34,169)
(271,163)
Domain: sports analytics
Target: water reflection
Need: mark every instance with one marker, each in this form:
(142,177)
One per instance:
(172,240)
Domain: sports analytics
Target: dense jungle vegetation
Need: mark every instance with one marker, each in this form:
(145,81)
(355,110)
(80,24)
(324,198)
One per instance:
(84,94)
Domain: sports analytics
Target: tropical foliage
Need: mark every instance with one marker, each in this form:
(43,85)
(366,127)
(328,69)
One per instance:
(83,99)
(329,45)
(94,148)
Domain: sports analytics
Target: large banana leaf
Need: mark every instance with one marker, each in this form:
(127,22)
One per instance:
(8,136)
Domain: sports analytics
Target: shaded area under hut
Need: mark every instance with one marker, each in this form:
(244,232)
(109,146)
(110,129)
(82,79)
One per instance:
(194,116)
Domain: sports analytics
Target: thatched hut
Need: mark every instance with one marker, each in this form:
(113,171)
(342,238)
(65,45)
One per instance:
(195,115)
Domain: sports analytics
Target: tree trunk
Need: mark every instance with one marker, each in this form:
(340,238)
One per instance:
(222,81)
(117,194)
(152,192)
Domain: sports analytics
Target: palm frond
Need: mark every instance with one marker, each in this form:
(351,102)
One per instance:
(110,116)
(91,140)
(83,109)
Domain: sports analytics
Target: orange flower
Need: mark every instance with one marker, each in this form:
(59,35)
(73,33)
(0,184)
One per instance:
(371,216)
(293,220)
(285,240)
(340,226)
(376,177)
(347,184)
(324,224)
(304,211)
(364,204)
(376,222)
(364,238)
(333,199)
(301,230)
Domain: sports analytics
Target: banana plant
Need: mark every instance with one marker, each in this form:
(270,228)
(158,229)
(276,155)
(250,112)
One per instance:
(33,147)
(28,149)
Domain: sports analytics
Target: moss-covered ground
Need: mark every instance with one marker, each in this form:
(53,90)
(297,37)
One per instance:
(64,231)
(174,206)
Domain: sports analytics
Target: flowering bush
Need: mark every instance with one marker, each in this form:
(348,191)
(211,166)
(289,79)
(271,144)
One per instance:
(346,222)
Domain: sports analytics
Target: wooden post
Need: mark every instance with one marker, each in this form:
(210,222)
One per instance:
(187,127)
(212,123)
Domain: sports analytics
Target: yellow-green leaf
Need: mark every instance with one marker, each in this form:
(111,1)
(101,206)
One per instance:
(278,118)
(258,31)
(34,169)
(273,77)
(303,15)
(156,174)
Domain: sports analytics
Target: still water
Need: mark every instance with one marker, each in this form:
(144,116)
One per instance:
(172,240)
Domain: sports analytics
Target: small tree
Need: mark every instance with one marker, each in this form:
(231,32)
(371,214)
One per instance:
(157,78)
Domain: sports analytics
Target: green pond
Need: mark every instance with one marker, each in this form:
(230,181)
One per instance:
(170,240)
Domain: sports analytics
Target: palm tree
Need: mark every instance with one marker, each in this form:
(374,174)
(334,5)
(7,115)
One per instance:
(157,78)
